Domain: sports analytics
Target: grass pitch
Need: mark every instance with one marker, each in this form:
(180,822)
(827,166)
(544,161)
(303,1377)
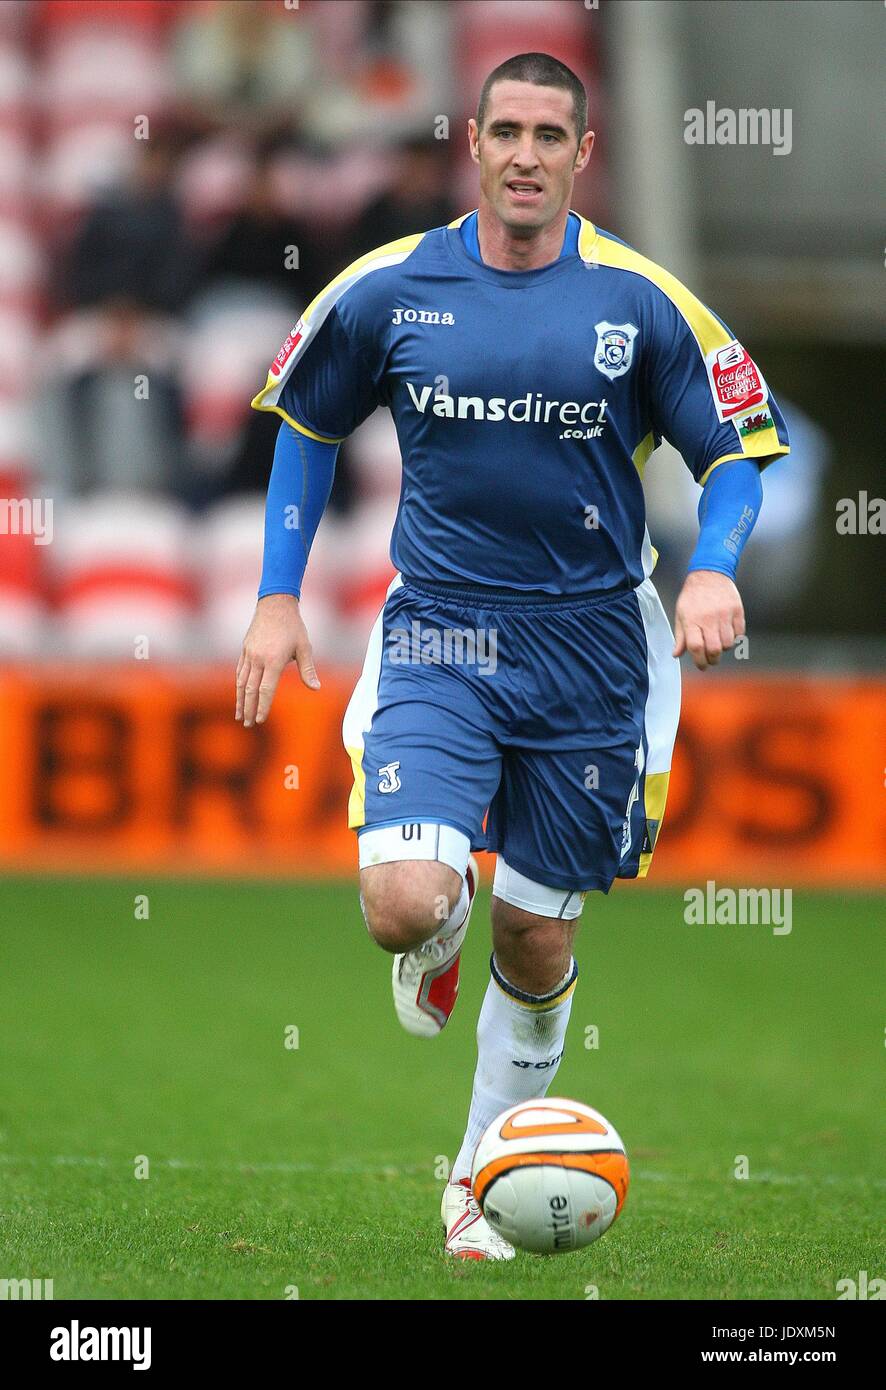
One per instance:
(276,1168)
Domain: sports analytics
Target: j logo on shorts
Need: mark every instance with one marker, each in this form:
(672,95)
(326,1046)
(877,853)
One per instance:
(388,780)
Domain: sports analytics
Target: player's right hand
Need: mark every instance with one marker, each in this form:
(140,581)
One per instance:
(276,636)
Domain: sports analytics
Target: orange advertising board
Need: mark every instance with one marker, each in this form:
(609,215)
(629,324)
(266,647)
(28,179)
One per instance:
(119,769)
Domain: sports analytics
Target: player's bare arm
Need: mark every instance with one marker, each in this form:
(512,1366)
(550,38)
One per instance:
(298,490)
(709,617)
(276,636)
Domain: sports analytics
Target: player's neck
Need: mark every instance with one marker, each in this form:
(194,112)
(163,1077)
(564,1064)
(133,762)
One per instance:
(502,250)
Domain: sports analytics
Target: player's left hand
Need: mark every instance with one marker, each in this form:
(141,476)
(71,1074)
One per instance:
(709,617)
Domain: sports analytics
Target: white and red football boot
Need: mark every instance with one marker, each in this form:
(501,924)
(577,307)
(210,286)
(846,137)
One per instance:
(468,1234)
(425,981)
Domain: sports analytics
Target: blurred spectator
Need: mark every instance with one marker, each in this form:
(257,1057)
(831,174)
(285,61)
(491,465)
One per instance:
(387,70)
(133,243)
(247,65)
(113,416)
(116,411)
(418,199)
(262,246)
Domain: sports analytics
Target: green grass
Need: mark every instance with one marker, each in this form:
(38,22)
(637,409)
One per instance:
(315,1167)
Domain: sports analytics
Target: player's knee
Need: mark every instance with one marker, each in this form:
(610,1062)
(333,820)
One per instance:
(533,927)
(405,903)
(392,927)
(518,932)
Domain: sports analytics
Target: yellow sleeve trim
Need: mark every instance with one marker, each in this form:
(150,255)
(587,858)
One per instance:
(587,236)
(708,330)
(302,429)
(724,458)
(771,454)
(765,448)
(393,253)
(641,454)
(401,248)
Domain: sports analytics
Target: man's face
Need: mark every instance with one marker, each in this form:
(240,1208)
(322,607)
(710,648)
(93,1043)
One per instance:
(528,153)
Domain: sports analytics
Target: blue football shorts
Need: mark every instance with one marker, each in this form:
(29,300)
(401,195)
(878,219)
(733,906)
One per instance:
(540,727)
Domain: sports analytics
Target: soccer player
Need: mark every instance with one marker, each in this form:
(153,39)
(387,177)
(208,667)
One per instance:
(522,664)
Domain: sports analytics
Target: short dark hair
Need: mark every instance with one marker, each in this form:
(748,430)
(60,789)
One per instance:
(543,71)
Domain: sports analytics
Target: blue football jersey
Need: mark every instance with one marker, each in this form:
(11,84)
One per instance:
(526,403)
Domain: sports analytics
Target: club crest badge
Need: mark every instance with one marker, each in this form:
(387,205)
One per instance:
(614,352)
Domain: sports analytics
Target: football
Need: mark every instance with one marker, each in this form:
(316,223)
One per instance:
(550,1175)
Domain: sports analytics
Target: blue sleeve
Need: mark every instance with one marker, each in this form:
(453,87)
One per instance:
(331,389)
(301,481)
(727,509)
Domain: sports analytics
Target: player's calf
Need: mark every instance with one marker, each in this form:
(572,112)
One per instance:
(534,953)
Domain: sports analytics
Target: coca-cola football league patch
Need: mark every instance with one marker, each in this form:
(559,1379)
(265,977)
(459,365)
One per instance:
(736,381)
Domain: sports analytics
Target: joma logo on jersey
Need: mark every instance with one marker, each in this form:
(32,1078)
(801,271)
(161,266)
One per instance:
(388,781)
(422,316)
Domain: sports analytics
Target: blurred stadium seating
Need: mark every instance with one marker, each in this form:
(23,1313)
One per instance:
(150,248)
(177,180)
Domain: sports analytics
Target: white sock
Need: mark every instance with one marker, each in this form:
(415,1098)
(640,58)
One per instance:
(520,1040)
